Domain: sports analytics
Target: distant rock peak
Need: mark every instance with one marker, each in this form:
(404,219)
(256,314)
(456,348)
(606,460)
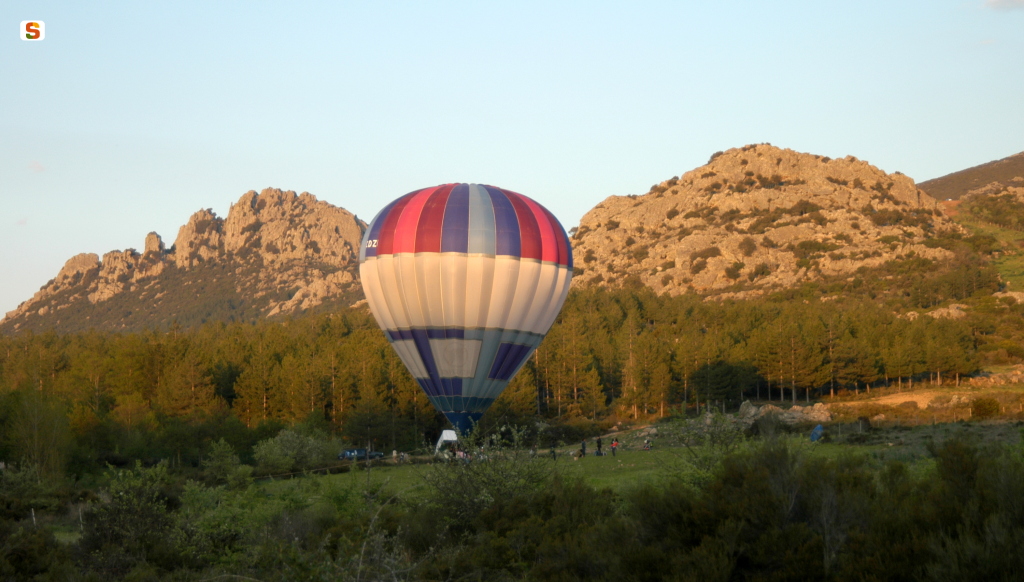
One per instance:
(277,240)
(755,218)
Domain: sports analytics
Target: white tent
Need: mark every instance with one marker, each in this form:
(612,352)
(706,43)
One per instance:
(447,436)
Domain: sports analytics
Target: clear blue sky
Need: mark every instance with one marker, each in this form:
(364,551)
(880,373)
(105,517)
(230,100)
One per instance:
(130,116)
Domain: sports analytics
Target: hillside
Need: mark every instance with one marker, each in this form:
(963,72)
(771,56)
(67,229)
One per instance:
(759,218)
(275,253)
(1005,172)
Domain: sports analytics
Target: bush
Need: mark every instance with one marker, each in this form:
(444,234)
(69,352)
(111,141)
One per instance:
(761,270)
(984,408)
(134,526)
(748,246)
(698,266)
(291,451)
(706,253)
(502,467)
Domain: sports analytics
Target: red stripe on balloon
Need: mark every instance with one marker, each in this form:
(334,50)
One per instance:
(548,236)
(386,238)
(428,230)
(405,228)
(529,232)
(564,252)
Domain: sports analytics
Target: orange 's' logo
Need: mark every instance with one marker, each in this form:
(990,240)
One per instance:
(32,30)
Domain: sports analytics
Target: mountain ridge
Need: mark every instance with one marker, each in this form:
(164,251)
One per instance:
(753,220)
(276,252)
(1005,172)
(756,218)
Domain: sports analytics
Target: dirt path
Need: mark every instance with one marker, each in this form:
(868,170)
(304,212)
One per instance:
(921,397)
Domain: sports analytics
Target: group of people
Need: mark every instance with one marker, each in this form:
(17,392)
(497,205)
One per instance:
(599,452)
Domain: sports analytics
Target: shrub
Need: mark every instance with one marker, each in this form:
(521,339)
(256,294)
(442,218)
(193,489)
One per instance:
(760,270)
(773,181)
(748,246)
(290,451)
(769,243)
(706,253)
(630,241)
(134,526)
(640,254)
(802,207)
(733,272)
(221,463)
(612,224)
(808,248)
(672,213)
(589,256)
(983,408)
(464,490)
(698,266)
(715,155)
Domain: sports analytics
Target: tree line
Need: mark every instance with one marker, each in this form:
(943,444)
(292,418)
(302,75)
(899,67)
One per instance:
(626,353)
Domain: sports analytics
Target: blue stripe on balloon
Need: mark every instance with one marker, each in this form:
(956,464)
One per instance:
(446,333)
(451,386)
(507,360)
(506,224)
(427,386)
(399,334)
(455,229)
(481,221)
(419,336)
(432,333)
(373,233)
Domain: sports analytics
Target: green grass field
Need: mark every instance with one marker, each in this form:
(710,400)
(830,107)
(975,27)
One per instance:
(631,468)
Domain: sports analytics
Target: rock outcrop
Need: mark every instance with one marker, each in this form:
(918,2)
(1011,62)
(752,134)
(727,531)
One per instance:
(795,415)
(281,251)
(756,218)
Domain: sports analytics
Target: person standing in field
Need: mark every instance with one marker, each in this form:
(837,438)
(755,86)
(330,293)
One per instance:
(599,446)
(615,445)
(583,448)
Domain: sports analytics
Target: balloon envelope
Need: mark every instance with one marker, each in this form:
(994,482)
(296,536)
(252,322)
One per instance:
(465,280)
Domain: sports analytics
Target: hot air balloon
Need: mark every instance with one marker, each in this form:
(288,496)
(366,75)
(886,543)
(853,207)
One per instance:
(465,280)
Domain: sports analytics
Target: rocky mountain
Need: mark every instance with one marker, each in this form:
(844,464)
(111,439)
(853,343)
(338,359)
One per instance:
(758,218)
(275,253)
(996,175)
